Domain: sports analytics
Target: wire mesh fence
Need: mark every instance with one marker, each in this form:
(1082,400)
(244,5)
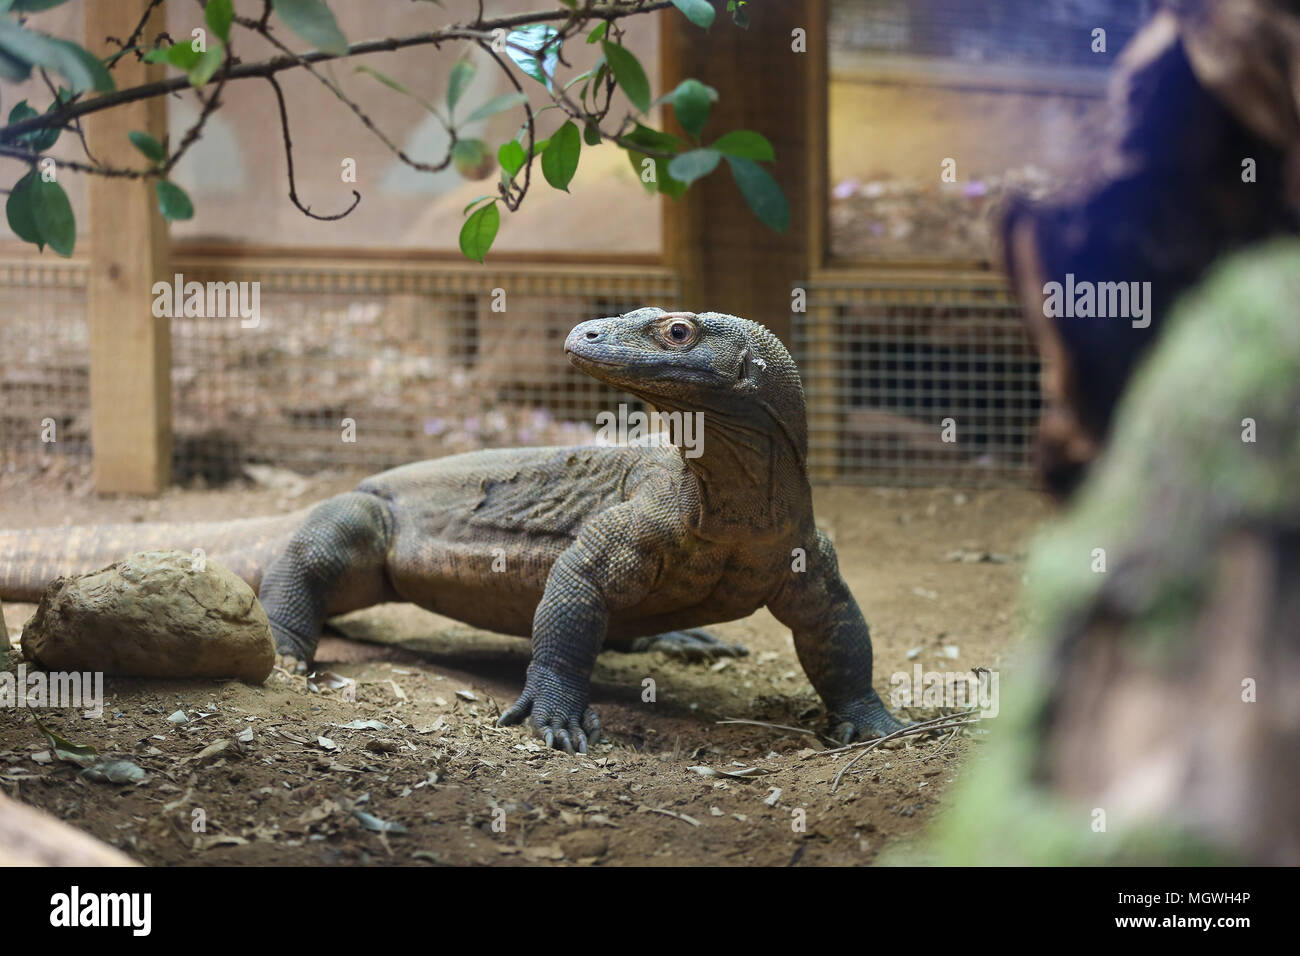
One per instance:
(372,368)
(922,379)
(362,368)
(44,365)
(357,368)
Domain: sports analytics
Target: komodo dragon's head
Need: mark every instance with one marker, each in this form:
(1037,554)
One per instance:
(733,370)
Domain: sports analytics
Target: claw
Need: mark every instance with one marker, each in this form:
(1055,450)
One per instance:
(515,713)
(557,730)
(864,719)
(694,644)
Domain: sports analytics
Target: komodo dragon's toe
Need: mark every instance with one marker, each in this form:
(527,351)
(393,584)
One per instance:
(690,645)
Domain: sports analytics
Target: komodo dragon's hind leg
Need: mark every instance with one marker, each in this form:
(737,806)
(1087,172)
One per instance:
(693,644)
(333,564)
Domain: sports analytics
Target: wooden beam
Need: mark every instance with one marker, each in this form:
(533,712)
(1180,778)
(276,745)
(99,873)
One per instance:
(31,837)
(728,261)
(130,349)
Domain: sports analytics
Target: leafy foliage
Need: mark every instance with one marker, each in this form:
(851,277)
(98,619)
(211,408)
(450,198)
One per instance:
(38,211)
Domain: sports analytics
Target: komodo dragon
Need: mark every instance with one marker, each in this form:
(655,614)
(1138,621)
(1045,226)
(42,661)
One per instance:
(601,545)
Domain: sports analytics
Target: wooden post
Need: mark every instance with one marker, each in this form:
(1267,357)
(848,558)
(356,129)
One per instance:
(130,349)
(728,261)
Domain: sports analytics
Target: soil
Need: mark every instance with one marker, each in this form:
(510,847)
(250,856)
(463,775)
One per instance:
(303,788)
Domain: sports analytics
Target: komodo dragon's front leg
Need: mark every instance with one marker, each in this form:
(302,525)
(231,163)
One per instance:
(612,565)
(333,564)
(834,645)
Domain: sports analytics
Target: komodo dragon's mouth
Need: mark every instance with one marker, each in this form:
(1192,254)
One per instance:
(577,357)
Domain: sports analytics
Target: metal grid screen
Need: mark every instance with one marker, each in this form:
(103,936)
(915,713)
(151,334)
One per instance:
(416,363)
(373,368)
(356,368)
(44,367)
(917,381)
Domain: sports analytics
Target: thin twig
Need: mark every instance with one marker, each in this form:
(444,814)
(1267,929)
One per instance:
(905,732)
(946,741)
(365,119)
(764,723)
(512,202)
(288,158)
(928,724)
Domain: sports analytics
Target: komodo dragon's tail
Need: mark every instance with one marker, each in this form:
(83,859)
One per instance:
(33,557)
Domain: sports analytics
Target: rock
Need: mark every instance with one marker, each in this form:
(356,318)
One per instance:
(583,844)
(154,614)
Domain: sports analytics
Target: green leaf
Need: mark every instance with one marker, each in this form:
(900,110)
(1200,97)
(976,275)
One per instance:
(19,213)
(511,157)
(560,161)
(761,192)
(314,22)
(653,139)
(182,55)
(478,232)
(739,13)
(498,104)
(219,15)
(691,166)
(82,70)
(474,202)
(664,182)
(147,145)
(745,144)
(692,101)
(628,73)
(208,62)
(591,134)
(80,754)
(172,201)
(471,158)
(598,34)
(699,12)
(539,53)
(462,73)
(37,140)
(53,216)
(13,69)
(393,84)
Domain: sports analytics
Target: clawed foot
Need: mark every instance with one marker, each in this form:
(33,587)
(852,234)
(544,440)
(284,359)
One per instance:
(290,663)
(292,652)
(864,719)
(690,645)
(557,711)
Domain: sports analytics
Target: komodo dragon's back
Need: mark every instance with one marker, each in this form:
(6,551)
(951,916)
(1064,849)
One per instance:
(529,500)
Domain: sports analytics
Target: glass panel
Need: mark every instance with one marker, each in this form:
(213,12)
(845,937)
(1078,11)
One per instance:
(1010,91)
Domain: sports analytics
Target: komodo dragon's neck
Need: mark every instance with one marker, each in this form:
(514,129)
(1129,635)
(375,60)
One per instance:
(749,476)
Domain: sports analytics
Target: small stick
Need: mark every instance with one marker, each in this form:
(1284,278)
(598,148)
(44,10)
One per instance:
(764,723)
(934,723)
(905,732)
(669,813)
(939,749)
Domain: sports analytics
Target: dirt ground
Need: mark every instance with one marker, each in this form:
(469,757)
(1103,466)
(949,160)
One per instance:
(275,775)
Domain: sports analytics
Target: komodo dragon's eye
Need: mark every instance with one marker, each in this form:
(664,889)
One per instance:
(678,333)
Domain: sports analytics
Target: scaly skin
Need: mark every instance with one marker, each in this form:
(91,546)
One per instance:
(588,547)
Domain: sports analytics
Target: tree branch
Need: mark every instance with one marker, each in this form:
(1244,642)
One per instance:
(288,157)
(269,67)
